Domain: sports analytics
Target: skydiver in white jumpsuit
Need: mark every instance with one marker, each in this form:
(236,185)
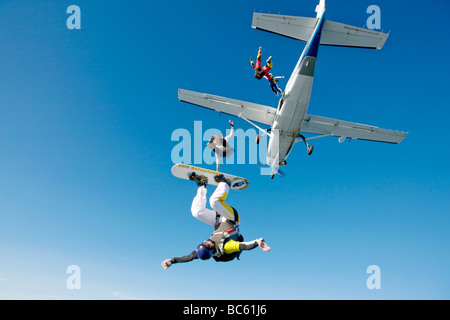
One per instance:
(226,243)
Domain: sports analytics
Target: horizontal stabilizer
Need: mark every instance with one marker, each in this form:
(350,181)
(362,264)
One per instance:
(299,28)
(333,33)
(345,129)
(251,111)
(343,35)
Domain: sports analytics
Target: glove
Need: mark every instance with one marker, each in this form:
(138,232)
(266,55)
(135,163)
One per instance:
(263,245)
(166,263)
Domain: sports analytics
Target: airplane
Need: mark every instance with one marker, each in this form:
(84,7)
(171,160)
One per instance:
(290,119)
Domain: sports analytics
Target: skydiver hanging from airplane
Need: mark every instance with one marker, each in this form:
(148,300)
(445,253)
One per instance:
(264,71)
(220,146)
(225,243)
(273,84)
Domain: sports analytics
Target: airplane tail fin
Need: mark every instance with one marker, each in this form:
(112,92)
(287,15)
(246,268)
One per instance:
(333,33)
(320,8)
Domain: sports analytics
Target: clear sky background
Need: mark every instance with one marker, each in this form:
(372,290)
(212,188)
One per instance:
(86,118)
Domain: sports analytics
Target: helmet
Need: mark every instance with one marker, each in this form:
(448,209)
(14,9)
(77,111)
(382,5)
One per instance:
(203,252)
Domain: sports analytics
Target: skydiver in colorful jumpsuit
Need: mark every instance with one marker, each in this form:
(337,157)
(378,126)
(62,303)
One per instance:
(264,72)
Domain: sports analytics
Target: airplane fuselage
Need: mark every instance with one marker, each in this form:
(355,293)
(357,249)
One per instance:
(293,106)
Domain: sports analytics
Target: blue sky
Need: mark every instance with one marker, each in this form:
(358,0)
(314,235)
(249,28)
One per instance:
(86,118)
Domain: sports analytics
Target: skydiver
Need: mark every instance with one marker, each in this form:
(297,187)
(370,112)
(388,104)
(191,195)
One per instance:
(264,71)
(225,243)
(273,84)
(220,146)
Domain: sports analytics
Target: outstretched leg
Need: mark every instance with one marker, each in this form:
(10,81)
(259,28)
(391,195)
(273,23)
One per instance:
(199,210)
(258,58)
(217,201)
(268,67)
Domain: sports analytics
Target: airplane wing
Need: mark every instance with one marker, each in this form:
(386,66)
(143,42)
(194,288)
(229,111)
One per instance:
(345,129)
(251,111)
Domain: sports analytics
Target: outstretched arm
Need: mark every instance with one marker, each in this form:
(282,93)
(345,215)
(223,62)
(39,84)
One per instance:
(235,246)
(168,262)
(217,162)
(230,135)
(253,244)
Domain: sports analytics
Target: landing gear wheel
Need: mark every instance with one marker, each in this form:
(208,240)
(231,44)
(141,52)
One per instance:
(272,175)
(310,150)
(257,138)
